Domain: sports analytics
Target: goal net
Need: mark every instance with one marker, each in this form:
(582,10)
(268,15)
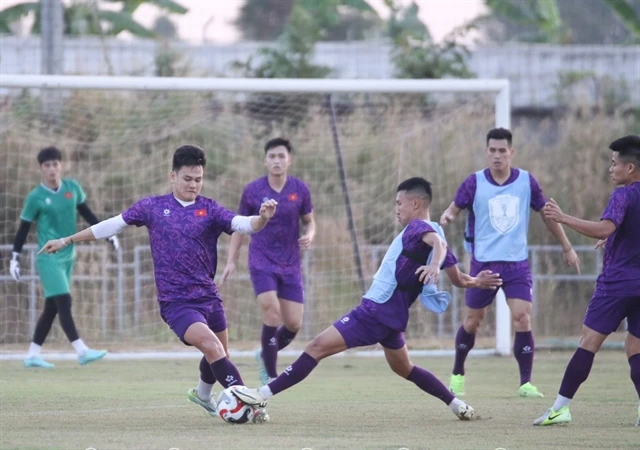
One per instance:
(354,140)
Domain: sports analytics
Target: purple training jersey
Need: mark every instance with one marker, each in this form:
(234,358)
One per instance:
(183,241)
(465,196)
(621,265)
(275,248)
(394,313)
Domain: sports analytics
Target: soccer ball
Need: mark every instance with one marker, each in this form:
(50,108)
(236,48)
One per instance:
(231,409)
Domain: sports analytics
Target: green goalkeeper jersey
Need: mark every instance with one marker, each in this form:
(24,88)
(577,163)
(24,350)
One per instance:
(55,212)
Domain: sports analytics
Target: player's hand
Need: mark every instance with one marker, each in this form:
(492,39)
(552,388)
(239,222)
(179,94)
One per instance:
(552,211)
(571,259)
(229,269)
(428,274)
(53,246)
(447,217)
(115,242)
(602,243)
(305,241)
(14,266)
(268,209)
(488,280)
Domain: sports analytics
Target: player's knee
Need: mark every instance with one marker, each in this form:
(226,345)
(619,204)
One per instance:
(316,349)
(472,323)
(522,321)
(402,369)
(212,349)
(271,315)
(293,325)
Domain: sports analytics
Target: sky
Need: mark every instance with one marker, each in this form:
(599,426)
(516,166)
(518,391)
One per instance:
(212,20)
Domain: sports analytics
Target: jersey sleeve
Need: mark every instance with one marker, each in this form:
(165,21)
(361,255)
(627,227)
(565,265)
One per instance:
(466,192)
(617,207)
(307,205)
(537,197)
(138,214)
(222,217)
(245,208)
(30,209)
(81,197)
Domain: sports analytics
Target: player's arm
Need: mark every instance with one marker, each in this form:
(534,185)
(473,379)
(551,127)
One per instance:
(484,280)
(596,230)
(101,230)
(449,214)
(18,242)
(237,239)
(463,199)
(88,215)
(253,224)
(431,272)
(537,203)
(309,231)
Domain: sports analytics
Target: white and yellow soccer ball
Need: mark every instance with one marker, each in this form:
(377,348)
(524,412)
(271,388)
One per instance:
(232,410)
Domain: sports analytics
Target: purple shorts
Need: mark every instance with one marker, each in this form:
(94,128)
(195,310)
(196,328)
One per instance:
(359,329)
(516,283)
(287,286)
(181,314)
(605,312)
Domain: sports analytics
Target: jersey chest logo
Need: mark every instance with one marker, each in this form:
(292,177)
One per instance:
(504,212)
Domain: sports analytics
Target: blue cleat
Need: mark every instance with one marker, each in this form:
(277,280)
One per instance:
(262,370)
(36,361)
(90,355)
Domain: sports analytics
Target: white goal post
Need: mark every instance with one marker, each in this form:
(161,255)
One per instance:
(498,87)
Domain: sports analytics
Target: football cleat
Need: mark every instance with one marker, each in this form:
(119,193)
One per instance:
(529,390)
(210,406)
(456,385)
(553,417)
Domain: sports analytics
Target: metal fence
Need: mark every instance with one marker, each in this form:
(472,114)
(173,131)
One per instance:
(138,274)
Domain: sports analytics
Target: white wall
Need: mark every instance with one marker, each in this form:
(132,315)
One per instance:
(532,69)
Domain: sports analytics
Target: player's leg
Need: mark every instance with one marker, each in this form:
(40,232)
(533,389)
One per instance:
(477,301)
(632,345)
(398,360)
(354,329)
(203,394)
(327,343)
(201,337)
(43,326)
(603,317)
(291,296)
(523,345)
(292,312)
(518,291)
(265,286)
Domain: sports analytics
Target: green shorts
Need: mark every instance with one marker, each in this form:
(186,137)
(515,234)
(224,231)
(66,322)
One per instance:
(55,273)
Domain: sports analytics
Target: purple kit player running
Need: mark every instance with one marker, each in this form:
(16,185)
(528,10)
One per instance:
(383,314)
(617,293)
(274,254)
(183,233)
(498,199)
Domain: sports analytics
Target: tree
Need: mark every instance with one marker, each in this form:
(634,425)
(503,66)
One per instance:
(337,20)
(562,21)
(416,55)
(82,18)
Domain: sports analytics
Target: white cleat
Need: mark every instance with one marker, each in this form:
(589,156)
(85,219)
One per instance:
(260,416)
(251,397)
(466,412)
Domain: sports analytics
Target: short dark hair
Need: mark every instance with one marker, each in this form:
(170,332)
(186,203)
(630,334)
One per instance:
(628,149)
(500,134)
(277,142)
(49,154)
(417,186)
(188,155)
